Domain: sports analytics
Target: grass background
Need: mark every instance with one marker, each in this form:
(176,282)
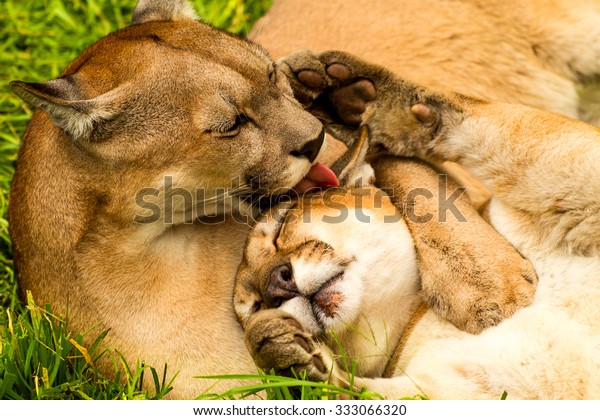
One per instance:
(38,38)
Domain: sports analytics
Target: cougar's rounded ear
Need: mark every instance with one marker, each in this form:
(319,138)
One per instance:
(162,10)
(65,105)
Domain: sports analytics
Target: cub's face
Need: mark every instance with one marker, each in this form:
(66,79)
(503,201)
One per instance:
(341,261)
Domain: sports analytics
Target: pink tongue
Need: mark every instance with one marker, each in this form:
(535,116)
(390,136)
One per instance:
(319,176)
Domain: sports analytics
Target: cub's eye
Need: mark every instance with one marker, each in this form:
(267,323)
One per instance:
(256,307)
(231,128)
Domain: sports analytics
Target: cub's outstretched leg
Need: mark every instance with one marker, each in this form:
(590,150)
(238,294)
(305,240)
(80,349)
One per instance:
(470,275)
(339,98)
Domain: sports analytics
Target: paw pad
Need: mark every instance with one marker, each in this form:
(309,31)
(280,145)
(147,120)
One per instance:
(339,71)
(311,79)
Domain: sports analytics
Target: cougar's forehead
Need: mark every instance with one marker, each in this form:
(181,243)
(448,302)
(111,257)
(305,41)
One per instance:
(167,47)
(331,216)
(335,215)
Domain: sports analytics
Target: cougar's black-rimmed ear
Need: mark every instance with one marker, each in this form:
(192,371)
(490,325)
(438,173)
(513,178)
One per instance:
(351,166)
(162,10)
(63,102)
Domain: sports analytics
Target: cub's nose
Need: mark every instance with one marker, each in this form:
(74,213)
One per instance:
(311,149)
(281,287)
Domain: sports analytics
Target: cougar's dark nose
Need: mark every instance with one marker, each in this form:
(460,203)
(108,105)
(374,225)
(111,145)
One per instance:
(281,287)
(311,149)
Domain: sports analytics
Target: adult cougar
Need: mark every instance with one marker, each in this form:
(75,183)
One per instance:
(144,137)
(143,140)
(539,166)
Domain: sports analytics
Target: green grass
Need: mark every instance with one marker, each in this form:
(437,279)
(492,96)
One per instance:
(275,387)
(40,358)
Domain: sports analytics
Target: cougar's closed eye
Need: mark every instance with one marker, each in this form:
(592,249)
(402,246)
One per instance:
(230,128)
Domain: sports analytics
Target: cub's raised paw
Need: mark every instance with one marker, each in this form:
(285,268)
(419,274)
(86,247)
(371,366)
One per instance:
(278,342)
(334,86)
(345,92)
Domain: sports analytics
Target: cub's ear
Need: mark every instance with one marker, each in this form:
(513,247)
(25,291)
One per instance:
(64,103)
(162,10)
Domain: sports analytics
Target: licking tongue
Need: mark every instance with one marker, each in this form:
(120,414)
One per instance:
(319,176)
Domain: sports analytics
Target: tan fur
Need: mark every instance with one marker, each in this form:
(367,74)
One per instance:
(131,110)
(539,166)
(542,53)
(151,101)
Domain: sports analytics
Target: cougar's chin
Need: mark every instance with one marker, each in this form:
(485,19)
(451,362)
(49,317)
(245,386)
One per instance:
(328,300)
